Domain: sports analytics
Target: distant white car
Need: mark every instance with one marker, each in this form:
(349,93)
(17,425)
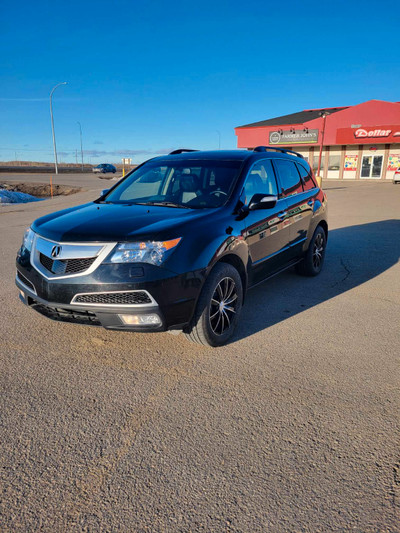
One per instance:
(396,177)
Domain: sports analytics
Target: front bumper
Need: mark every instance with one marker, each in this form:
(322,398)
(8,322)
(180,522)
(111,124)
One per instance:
(107,317)
(172,297)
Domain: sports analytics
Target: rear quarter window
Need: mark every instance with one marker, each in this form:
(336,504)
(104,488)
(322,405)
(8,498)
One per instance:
(306,175)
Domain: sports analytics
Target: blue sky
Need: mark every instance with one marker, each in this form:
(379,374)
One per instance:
(147,77)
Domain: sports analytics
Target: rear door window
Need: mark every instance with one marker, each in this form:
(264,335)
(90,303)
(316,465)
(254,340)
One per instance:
(289,177)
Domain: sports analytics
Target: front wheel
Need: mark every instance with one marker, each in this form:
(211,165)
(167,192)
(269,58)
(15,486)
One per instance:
(315,255)
(218,307)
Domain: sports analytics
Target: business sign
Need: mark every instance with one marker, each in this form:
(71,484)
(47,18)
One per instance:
(366,135)
(360,133)
(287,137)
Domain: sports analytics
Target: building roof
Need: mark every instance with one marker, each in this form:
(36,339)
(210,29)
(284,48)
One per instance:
(294,118)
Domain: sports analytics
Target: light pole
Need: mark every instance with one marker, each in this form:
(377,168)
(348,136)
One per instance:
(219,139)
(52,123)
(80,129)
(324,114)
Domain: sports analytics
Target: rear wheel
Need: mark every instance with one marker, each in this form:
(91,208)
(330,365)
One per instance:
(315,255)
(218,308)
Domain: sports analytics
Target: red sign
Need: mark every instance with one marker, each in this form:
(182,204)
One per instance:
(375,134)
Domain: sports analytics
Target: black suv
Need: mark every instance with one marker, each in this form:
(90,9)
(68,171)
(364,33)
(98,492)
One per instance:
(176,244)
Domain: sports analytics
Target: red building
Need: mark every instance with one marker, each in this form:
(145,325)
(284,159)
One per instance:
(358,142)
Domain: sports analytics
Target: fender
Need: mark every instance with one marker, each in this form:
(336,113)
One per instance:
(320,214)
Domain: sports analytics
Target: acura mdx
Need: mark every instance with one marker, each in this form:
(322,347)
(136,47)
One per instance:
(177,243)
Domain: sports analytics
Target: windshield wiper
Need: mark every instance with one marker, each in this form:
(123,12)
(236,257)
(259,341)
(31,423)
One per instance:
(165,204)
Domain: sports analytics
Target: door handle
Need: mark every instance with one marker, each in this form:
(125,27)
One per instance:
(282,214)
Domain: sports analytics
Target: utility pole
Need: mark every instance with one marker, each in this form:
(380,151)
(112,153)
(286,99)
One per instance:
(80,129)
(219,139)
(52,123)
(323,114)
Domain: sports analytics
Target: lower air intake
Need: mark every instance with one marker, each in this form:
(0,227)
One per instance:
(26,281)
(114,298)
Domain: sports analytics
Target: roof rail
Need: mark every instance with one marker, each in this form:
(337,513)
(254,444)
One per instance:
(284,150)
(181,151)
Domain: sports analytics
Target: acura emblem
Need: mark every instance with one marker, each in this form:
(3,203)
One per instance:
(55,251)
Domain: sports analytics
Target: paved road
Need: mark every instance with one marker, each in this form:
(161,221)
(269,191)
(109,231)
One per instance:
(294,426)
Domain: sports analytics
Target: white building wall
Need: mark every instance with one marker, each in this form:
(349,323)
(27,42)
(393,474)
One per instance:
(334,162)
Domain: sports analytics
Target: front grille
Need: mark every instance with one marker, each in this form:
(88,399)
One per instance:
(26,281)
(78,265)
(67,315)
(114,298)
(47,262)
(66,266)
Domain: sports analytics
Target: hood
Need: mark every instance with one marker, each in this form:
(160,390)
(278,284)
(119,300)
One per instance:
(116,223)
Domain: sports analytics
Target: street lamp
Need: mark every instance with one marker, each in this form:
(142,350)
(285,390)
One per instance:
(80,129)
(52,123)
(323,114)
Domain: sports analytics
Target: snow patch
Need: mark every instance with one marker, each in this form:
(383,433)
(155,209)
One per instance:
(13,197)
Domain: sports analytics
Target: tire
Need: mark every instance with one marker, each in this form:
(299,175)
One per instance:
(315,255)
(213,323)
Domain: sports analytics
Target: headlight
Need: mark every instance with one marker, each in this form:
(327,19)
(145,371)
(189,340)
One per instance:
(142,252)
(28,239)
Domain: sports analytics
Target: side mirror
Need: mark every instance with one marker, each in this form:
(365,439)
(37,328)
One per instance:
(262,201)
(104,191)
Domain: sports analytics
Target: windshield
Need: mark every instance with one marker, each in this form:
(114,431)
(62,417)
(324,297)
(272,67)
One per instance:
(192,184)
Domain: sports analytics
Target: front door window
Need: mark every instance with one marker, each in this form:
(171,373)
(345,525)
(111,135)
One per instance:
(371,166)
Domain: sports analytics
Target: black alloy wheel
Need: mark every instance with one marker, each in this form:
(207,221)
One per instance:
(218,307)
(223,306)
(318,250)
(315,255)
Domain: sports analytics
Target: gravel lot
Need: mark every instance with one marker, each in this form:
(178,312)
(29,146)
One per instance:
(294,426)
(89,181)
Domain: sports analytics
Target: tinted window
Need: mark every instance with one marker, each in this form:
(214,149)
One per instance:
(192,183)
(307,178)
(289,176)
(260,180)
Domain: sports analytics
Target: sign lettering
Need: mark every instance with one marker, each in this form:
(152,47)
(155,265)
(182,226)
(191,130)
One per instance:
(287,137)
(361,133)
